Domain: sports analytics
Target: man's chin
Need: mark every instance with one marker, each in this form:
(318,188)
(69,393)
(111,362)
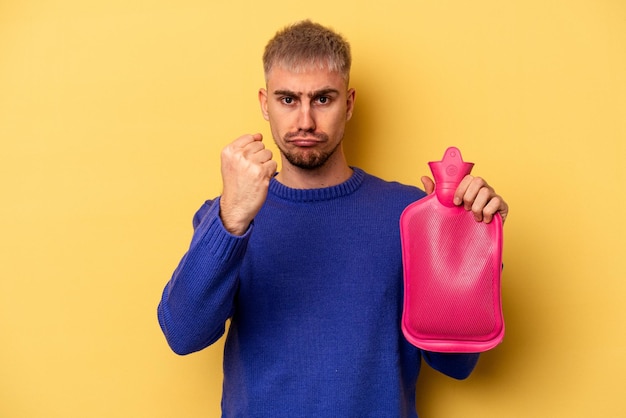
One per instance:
(307,162)
(309,159)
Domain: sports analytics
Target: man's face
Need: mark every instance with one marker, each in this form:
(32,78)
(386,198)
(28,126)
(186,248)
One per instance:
(307,112)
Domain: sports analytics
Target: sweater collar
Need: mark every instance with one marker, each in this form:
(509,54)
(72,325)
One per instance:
(325,193)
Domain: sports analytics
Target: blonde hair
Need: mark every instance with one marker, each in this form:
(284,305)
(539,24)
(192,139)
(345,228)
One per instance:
(305,45)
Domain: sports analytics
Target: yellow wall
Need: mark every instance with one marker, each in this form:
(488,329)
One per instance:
(112,115)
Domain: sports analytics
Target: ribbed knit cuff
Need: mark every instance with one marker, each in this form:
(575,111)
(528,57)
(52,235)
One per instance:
(212,235)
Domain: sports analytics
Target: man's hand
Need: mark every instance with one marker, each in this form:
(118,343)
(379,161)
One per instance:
(247,168)
(477,196)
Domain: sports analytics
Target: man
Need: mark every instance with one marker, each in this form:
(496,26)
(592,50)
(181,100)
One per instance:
(306,262)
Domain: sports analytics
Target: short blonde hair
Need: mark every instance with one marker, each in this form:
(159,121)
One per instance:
(306,45)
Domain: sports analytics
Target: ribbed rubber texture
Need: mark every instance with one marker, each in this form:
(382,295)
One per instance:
(452,271)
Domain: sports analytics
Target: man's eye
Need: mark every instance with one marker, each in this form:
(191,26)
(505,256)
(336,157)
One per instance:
(323,100)
(287,100)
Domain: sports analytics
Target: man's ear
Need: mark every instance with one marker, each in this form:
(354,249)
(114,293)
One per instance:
(263,103)
(350,103)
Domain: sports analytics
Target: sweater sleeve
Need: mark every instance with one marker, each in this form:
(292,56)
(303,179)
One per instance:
(456,365)
(199,297)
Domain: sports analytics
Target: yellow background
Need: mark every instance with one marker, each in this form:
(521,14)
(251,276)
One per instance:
(112,116)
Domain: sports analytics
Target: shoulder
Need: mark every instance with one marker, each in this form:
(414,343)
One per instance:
(385,189)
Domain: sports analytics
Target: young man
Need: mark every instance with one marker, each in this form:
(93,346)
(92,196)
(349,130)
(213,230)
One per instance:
(306,262)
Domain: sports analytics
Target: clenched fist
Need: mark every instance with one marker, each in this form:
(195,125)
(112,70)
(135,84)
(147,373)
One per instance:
(247,168)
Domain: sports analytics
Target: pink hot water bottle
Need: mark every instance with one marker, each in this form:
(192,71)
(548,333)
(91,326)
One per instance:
(452,269)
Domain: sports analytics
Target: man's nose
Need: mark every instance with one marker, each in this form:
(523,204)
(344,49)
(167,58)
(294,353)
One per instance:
(306,121)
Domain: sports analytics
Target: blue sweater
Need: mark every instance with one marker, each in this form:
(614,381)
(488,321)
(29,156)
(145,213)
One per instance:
(314,293)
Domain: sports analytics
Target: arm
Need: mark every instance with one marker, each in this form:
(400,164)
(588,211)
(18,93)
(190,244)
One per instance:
(458,366)
(199,298)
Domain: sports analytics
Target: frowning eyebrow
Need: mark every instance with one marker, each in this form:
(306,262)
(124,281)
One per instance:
(317,93)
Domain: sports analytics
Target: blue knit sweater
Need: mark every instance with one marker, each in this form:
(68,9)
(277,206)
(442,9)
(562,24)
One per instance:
(314,293)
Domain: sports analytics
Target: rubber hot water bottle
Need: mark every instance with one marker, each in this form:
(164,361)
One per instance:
(452,269)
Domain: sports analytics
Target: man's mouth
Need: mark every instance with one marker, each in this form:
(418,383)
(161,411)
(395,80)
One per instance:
(306,140)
